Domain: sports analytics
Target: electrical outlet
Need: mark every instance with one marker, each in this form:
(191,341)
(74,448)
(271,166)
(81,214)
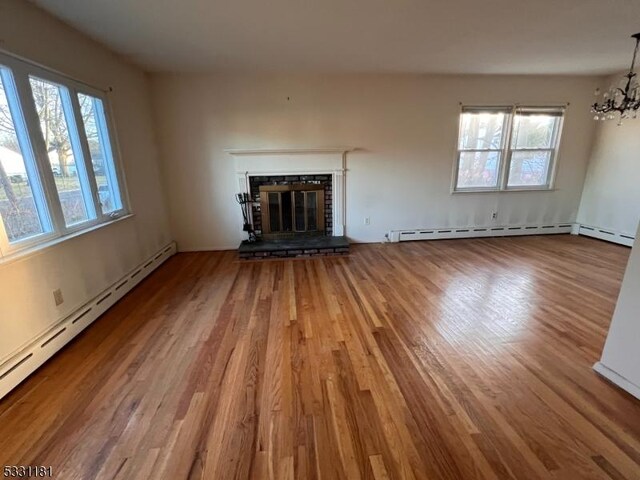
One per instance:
(367,220)
(494,215)
(58,298)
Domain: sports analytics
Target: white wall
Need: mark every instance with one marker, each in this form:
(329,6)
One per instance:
(404,125)
(85,265)
(621,355)
(611,197)
(611,201)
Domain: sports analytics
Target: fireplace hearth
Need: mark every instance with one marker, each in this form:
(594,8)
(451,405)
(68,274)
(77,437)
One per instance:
(292,217)
(294,247)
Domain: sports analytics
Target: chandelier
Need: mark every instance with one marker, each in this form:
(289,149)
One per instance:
(623,98)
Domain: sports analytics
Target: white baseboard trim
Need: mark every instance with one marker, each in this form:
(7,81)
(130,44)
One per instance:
(25,361)
(208,248)
(606,234)
(617,379)
(478,231)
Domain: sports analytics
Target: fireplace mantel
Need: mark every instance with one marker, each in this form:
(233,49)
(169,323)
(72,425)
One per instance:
(287,151)
(297,161)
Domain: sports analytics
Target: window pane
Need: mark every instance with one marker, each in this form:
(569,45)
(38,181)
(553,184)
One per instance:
(53,108)
(529,168)
(534,131)
(481,131)
(18,205)
(95,127)
(478,169)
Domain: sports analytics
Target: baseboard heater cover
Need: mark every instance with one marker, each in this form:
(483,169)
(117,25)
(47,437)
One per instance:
(481,231)
(28,359)
(606,234)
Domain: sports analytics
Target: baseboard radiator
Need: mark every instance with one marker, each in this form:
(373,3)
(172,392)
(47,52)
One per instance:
(474,232)
(24,362)
(606,234)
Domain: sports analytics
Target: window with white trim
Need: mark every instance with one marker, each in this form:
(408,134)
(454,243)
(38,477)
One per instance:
(507,148)
(58,170)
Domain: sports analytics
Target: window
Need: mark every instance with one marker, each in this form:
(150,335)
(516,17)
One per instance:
(481,147)
(58,171)
(95,128)
(533,147)
(507,148)
(56,115)
(22,206)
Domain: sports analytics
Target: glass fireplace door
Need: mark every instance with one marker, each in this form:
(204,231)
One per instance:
(292,209)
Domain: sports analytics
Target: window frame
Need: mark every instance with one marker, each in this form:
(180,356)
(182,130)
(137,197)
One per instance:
(553,149)
(506,127)
(21,71)
(108,141)
(506,153)
(34,174)
(84,177)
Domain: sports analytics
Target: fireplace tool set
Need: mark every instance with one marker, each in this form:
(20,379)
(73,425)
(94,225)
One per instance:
(245,202)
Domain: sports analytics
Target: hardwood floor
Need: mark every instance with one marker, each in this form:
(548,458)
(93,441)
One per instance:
(456,359)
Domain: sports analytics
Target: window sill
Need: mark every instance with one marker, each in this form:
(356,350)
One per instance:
(507,190)
(41,247)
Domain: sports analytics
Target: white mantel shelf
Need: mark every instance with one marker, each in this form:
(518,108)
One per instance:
(287,151)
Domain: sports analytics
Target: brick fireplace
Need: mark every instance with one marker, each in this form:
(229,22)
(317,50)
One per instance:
(264,186)
(298,198)
(327,166)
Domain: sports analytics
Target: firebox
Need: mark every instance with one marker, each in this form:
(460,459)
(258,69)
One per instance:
(292,209)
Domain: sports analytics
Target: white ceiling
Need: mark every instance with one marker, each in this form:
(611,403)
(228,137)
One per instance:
(435,36)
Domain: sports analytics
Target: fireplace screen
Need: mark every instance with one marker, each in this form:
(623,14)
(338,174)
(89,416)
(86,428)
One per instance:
(291,209)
